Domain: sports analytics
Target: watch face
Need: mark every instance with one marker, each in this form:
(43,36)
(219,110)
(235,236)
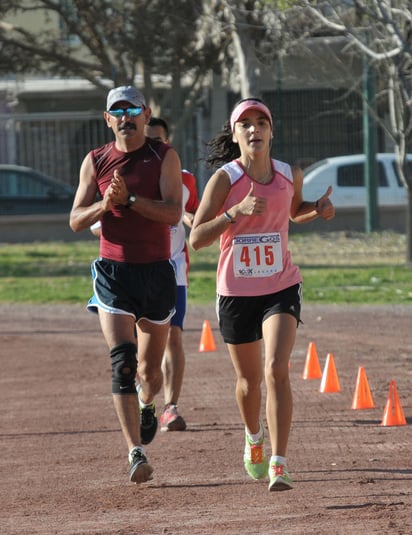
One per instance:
(131,199)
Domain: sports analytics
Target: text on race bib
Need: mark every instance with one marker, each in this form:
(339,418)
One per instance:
(257,255)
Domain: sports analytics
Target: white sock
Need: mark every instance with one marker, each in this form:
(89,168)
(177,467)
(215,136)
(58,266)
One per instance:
(144,405)
(278,459)
(257,436)
(141,403)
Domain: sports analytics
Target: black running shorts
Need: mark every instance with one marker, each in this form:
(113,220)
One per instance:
(241,318)
(140,290)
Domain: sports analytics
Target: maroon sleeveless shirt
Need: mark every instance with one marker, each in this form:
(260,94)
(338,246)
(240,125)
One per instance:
(126,236)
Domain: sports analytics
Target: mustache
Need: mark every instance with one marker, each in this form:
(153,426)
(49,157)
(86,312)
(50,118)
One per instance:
(127,124)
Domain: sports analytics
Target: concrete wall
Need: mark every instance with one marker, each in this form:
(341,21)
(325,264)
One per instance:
(30,228)
(26,229)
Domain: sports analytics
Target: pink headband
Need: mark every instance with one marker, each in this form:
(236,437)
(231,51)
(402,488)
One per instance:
(249,105)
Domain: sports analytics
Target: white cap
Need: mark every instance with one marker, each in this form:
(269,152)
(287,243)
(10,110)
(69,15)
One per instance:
(126,93)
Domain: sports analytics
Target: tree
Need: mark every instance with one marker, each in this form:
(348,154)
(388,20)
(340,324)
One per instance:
(176,44)
(381,31)
(254,37)
(110,42)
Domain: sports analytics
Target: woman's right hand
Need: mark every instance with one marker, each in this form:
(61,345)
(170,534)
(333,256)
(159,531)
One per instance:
(252,205)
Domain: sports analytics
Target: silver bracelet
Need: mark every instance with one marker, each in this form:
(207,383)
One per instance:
(229,217)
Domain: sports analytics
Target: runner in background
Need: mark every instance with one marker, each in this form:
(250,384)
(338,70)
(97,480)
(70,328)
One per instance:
(173,363)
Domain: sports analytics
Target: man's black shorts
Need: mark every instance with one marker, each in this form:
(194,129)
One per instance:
(140,290)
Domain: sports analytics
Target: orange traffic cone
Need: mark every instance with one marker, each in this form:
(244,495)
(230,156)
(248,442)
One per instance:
(330,381)
(362,398)
(207,342)
(393,413)
(312,367)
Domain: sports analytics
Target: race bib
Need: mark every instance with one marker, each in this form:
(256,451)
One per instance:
(257,255)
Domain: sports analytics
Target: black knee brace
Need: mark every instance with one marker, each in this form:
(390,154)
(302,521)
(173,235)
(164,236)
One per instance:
(124,367)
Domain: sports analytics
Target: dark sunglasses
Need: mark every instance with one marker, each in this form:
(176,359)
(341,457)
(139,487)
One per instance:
(130,112)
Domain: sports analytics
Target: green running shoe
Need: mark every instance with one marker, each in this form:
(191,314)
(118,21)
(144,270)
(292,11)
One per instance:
(279,477)
(254,459)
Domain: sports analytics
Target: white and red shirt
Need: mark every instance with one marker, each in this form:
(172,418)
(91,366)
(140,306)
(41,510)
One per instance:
(178,247)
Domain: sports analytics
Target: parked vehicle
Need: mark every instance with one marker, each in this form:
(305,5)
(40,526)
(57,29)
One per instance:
(346,175)
(24,191)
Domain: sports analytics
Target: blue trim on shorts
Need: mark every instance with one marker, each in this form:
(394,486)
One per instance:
(145,290)
(95,303)
(181,301)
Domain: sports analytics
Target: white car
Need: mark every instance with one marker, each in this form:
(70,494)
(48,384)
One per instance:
(346,175)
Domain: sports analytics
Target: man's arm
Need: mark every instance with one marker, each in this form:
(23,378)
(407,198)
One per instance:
(85,210)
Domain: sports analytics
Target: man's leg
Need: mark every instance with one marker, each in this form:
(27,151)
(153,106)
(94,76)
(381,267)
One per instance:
(151,342)
(151,345)
(173,366)
(118,331)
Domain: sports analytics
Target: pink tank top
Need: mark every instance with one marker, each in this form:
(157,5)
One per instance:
(254,255)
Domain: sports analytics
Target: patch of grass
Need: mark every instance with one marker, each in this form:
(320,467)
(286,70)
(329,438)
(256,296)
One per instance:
(55,289)
(51,259)
(358,285)
(337,267)
(52,272)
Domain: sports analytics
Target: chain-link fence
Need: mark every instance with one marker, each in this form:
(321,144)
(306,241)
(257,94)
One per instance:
(53,143)
(309,125)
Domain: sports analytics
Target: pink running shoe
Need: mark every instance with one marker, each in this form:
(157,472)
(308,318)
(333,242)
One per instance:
(170,420)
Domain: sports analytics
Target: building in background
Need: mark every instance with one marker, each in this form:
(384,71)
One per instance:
(49,124)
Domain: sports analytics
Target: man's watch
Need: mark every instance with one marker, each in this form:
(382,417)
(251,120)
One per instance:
(131,199)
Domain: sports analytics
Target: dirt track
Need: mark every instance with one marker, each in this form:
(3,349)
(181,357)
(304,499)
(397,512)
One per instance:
(64,462)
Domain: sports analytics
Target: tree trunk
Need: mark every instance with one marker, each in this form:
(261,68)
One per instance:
(409,230)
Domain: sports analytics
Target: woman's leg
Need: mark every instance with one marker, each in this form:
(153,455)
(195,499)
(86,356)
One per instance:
(247,362)
(279,334)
